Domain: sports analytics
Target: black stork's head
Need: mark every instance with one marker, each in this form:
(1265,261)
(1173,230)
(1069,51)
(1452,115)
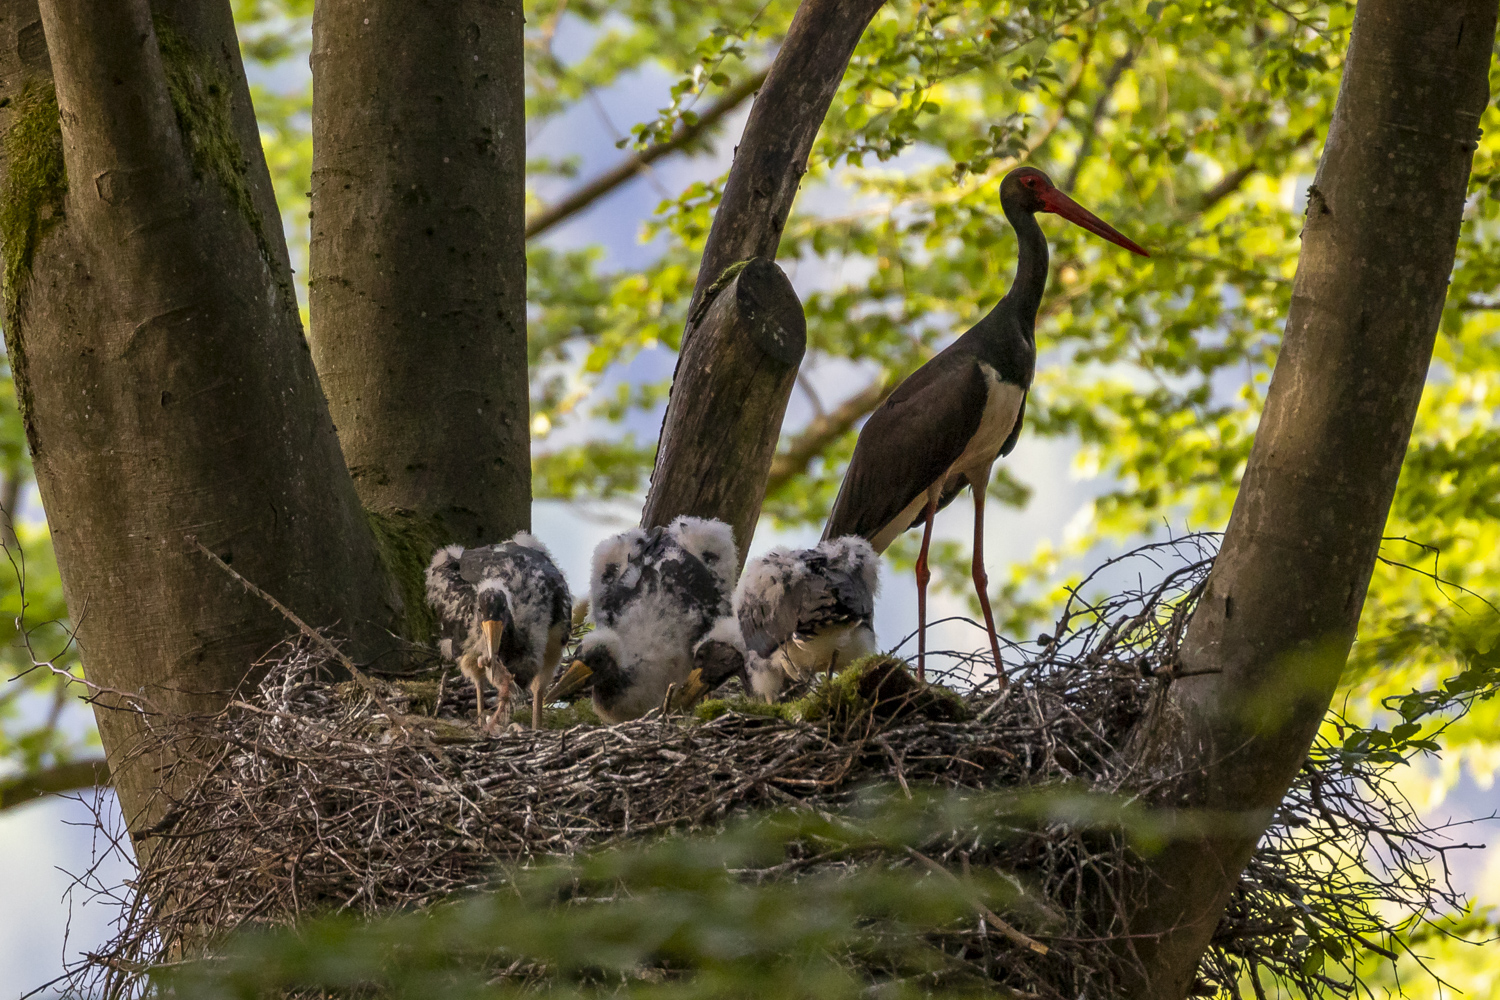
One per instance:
(492,607)
(1030,190)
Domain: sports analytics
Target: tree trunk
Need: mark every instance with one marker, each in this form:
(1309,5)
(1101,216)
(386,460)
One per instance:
(768,167)
(734,378)
(1264,651)
(159,364)
(418,289)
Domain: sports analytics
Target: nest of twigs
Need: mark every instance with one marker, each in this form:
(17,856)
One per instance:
(306,799)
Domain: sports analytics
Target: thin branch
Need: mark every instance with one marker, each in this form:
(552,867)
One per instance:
(685,136)
(1111,81)
(317,637)
(1232,181)
(72,776)
(823,430)
(1000,925)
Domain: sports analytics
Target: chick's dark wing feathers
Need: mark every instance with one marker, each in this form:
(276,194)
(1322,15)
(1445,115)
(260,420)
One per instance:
(833,596)
(770,602)
(524,570)
(689,581)
(911,440)
(660,565)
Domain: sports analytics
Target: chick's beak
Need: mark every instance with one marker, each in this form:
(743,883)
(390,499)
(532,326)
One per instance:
(692,691)
(571,682)
(492,632)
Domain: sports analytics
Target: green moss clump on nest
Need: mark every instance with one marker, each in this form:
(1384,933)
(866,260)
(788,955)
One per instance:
(877,686)
(406,543)
(200,94)
(880,686)
(35,183)
(710,709)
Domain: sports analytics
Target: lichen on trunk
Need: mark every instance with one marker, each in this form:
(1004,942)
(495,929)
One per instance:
(35,183)
(406,541)
(201,98)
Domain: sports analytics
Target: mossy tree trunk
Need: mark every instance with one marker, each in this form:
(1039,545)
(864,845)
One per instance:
(696,474)
(1265,649)
(158,358)
(418,289)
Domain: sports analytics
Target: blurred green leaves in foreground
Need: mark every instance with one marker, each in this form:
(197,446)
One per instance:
(1192,125)
(798,904)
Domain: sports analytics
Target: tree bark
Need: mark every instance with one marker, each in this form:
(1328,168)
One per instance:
(1265,649)
(734,378)
(418,286)
(768,167)
(160,368)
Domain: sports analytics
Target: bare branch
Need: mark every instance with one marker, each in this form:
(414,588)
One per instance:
(1232,181)
(72,776)
(825,429)
(784,121)
(684,137)
(1091,131)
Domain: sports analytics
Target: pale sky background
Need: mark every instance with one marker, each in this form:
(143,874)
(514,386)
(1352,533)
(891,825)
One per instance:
(43,845)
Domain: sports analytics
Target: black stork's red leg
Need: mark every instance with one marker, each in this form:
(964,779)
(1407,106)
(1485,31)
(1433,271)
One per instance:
(923,575)
(979,486)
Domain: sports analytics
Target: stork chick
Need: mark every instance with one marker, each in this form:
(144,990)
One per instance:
(655,593)
(506,612)
(805,612)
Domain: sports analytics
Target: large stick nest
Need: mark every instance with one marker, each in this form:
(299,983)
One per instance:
(305,799)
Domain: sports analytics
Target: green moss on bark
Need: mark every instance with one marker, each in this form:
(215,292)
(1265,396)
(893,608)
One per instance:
(35,183)
(406,543)
(200,93)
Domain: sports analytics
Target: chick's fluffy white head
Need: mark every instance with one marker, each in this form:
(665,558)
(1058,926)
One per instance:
(854,555)
(713,542)
(608,639)
(612,557)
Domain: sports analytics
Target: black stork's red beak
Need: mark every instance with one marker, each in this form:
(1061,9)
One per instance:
(1057,203)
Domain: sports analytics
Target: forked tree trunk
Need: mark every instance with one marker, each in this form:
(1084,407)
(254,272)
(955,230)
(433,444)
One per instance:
(418,289)
(158,359)
(719,438)
(1265,649)
(691,475)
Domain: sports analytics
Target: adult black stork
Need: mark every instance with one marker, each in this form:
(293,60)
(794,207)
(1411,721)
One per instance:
(506,613)
(946,424)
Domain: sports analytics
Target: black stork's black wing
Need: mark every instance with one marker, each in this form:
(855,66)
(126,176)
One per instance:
(911,440)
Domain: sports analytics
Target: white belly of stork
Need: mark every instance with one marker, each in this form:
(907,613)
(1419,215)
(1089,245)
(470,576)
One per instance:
(1002,405)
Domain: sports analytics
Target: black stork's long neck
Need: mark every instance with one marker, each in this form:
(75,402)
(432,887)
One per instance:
(1025,295)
